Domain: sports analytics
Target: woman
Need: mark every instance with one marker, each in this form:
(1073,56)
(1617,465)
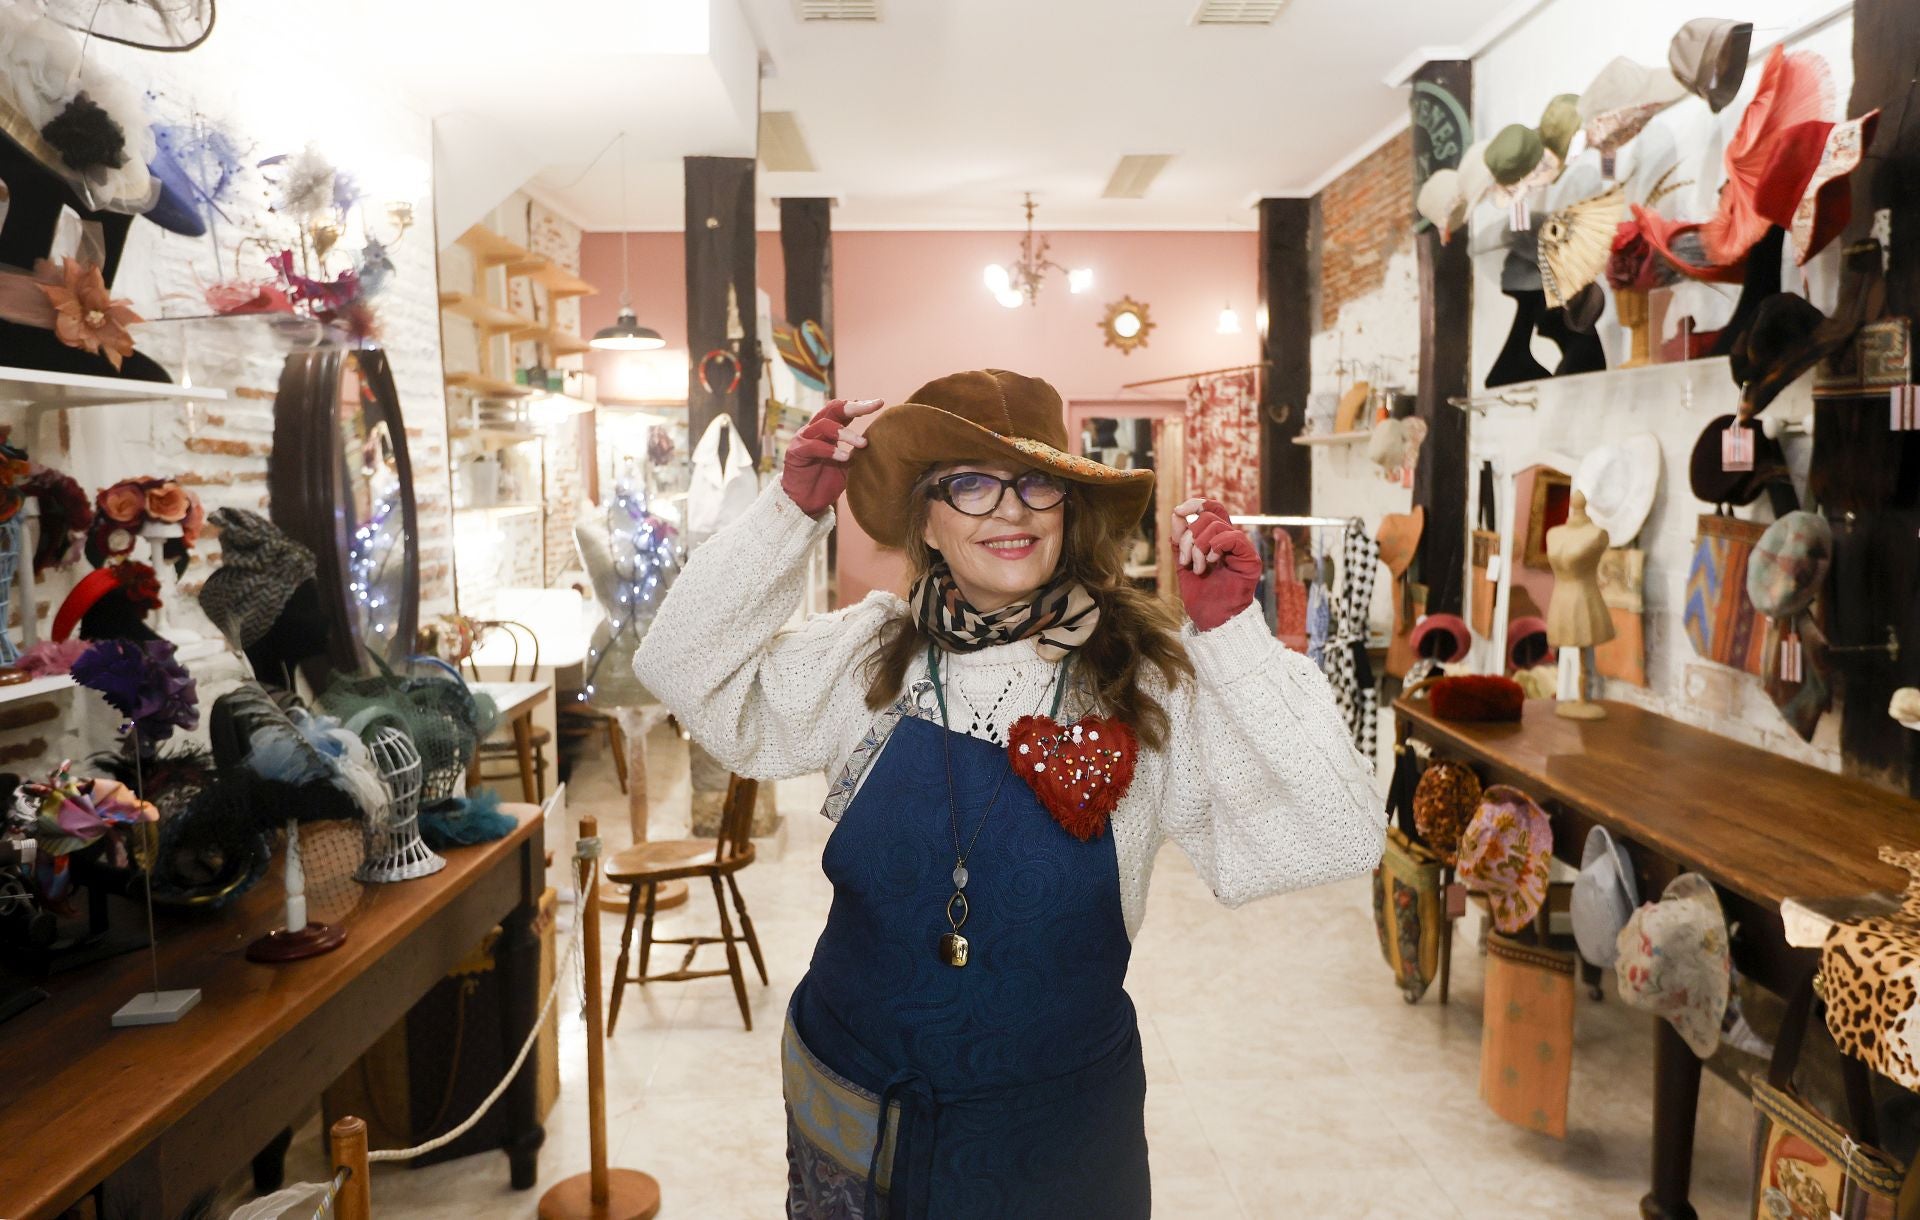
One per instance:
(989,865)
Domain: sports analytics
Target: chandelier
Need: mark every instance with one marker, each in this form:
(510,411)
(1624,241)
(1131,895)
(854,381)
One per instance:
(1020,282)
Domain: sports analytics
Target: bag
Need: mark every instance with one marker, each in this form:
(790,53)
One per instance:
(1486,544)
(1623,579)
(1719,618)
(1289,594)
(1804,1163)
(1526,1040)
(1879,357)
(1406,891)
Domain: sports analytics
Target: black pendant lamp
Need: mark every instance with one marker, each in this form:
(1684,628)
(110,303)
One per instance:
(626,334)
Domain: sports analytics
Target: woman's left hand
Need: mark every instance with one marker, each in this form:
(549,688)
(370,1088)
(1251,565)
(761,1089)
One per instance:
(1219,567)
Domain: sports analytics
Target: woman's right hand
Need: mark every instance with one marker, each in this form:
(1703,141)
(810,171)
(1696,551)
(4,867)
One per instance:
(815,472)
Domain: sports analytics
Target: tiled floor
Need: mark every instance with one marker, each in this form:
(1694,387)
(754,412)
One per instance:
(1286,1076)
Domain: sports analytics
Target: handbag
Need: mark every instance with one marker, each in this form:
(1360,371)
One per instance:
(1407,910)
(1526,1039)
(1878,358)
(1719,618)
(1486,544)
(1806,1164)
(1623,580)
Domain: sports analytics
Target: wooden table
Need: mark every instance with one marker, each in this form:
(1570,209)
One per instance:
(516,702)
(159,1113)
(1761,827)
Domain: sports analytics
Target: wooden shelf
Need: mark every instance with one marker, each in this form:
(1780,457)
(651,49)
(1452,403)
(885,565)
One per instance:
(557,280)
(35,688)
(557,342)
(490,318)
(1334,438)
(37,387)
(493,438)
(489,249)
(486,387)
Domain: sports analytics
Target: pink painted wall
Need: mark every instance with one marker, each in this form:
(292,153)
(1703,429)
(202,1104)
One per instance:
(910,307)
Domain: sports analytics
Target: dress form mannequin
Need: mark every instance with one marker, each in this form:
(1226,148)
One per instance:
(1577,616)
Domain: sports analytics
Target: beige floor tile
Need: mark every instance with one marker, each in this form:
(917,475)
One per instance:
(1177,1145)
(1269,1193)
(1208,1198)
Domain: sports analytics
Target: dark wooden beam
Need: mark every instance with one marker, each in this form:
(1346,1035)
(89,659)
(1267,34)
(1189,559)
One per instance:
(720,255)
(806,245)
(1286,337)
(1440,99)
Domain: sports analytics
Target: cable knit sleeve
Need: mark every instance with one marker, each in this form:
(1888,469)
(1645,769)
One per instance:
(1262,786)
(766,703)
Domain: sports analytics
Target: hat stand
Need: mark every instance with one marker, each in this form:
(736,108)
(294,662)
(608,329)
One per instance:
(1577,675)
(298,939)
(600,1193)
(188,645)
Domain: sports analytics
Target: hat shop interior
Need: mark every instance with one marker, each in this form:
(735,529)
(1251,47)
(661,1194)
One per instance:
(1557,357)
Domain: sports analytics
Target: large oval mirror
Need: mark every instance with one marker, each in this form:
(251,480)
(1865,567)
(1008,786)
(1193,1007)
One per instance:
(341,483)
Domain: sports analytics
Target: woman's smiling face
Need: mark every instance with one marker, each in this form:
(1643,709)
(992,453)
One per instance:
(1006,555)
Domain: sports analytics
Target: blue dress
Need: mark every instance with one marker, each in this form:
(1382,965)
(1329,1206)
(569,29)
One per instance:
(1013,1085)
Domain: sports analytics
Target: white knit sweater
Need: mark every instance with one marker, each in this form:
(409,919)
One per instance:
(1259,782)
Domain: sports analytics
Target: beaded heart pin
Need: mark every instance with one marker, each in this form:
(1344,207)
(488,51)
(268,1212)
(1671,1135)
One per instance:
(1079,771)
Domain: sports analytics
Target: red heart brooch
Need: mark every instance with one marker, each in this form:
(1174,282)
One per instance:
(1079,771)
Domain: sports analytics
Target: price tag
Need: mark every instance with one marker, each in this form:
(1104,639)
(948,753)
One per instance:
(1736,448)
(1493,567)
(1904,404)
(1791,658)
(1456,901)
(1519,215)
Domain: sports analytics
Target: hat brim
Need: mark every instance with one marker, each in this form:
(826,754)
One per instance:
(1644,462)
(907,438)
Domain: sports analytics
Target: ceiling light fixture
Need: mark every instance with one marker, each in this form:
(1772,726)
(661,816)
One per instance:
(626,334)
(1011,285)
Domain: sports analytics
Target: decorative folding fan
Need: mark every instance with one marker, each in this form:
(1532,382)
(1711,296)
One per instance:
(1575,243)
(1793,89)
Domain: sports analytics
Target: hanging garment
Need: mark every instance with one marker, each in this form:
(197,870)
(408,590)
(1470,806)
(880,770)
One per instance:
(1223,439)
(1289,594)
(723,485)
(1013,1085)
(1348,668)
(1319,623)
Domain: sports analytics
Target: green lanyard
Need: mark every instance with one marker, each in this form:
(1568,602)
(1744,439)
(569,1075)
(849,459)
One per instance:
(939,693)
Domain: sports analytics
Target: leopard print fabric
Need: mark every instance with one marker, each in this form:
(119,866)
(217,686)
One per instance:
(1870,977)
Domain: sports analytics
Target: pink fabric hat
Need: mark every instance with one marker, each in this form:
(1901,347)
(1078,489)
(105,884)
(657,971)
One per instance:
(1443,637)
(1504,856)
(1674,961)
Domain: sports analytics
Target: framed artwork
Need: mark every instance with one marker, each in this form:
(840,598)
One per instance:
(1552,498)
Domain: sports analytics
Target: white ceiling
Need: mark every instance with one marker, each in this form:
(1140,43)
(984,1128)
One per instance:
(942,113)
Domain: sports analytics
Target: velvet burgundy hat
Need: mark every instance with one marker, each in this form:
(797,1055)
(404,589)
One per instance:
(987,415)
(1805,189)
(1715,484)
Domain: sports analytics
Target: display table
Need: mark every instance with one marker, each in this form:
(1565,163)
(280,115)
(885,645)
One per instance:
(516,703)
(160,1113)
(1761,827)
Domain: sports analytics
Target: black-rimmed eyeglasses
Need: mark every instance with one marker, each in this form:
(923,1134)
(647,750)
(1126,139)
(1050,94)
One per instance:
(978,494)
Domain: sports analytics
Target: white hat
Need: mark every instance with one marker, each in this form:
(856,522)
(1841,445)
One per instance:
(1619,482)
(1623,98)
(1604,897)
(1476,179)
(1441,202)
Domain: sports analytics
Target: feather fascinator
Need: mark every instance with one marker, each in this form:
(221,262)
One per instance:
(1575,243)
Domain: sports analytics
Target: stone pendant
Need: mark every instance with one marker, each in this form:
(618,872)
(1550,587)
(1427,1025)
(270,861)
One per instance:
(953,949)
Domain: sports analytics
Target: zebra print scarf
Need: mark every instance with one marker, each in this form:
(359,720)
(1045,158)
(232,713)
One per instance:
(1062,614)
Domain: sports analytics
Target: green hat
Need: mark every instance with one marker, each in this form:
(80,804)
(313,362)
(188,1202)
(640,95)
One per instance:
(1558,122)
(1514,153)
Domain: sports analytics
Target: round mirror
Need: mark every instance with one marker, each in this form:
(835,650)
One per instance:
(1126,324)
(341,483)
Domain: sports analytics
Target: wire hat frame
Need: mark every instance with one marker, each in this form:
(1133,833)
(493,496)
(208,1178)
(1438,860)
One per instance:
(395,850)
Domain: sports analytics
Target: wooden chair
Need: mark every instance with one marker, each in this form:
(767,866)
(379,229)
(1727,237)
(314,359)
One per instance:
(524,640)
(645,865)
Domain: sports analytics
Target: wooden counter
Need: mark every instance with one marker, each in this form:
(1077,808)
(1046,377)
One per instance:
(158,1113)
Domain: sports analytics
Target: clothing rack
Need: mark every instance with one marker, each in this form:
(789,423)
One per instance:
(1237,368)
(1299,522)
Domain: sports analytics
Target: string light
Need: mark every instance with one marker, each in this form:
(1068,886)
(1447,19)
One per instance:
(643,547)
(368,554)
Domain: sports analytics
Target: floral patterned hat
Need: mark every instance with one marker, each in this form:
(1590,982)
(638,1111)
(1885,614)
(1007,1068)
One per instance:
(1444,802)
(1504,855)
(1674,961)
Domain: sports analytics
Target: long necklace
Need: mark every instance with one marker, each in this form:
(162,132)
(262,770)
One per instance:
(954,948)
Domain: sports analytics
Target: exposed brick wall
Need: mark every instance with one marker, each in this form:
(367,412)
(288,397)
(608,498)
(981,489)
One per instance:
(1366,214)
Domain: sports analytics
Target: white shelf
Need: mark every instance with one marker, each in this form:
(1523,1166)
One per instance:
(1636,373)
(37,387)
(36,688)
(1334,438)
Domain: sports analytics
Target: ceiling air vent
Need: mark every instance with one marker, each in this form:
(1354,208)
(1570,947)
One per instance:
(1134,175)
(1238,12)
(783,150)
(838,10)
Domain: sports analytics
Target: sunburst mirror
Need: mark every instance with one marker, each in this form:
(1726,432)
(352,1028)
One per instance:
(1126,325)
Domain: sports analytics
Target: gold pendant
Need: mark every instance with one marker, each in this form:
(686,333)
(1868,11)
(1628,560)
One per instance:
(953,949)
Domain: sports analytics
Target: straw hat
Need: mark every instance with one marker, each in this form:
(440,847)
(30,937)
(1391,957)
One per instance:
(1620,481)
(987,415)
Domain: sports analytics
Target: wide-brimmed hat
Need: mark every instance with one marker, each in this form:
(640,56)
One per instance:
(1794,88)
(1788,337)
(1346,415)
(1444,637)
(1504,855)
(1620,481)
(1712,482)
(987,415)
(1673,961)
(1622,99)
(1709,58)
(1444,801)
(1400,538)
(1604,897)
(1805,190)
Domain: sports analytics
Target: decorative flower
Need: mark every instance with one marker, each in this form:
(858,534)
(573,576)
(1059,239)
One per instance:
(194,521)
(43,57)
(72,815)
(167,502)
(120,542)
(85,135)
(142,681)
(64,513)
(139,584)
(244,297)
(87,316)
(125,503)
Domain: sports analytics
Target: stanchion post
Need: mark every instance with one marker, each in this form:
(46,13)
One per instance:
(355,1201)
(600,1193)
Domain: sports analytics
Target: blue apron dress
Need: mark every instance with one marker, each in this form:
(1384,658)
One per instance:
(1013,1085)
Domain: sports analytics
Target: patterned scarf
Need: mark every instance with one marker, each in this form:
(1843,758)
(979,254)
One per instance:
(1062,615)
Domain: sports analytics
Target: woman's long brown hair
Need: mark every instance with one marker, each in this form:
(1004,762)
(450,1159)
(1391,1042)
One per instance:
(1135,628)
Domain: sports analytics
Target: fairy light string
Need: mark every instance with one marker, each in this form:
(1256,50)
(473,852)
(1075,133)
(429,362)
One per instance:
(644,552)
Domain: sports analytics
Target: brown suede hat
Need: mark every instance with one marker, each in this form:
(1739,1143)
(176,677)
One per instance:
(987,415)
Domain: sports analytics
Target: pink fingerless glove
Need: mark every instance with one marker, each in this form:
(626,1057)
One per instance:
(812,478)
(1226,587)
